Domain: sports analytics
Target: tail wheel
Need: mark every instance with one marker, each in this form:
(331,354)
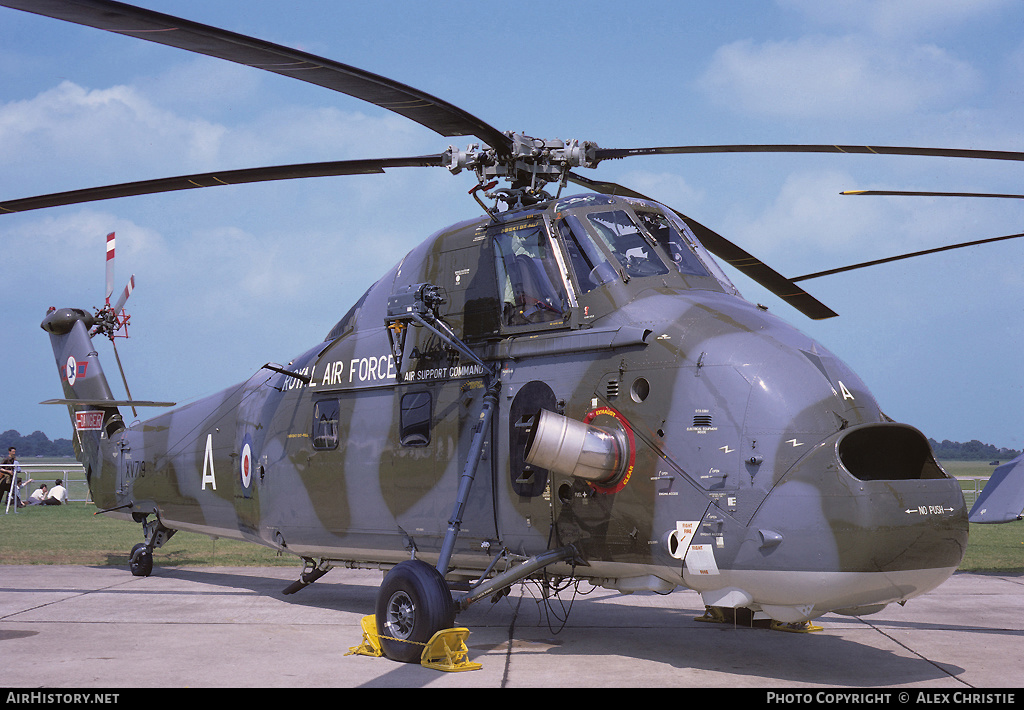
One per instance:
(413,604)
(141,560)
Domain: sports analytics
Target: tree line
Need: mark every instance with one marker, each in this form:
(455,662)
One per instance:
(35,444)
(972,450)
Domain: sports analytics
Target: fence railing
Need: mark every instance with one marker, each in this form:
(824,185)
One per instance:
(971,486)
(70,471)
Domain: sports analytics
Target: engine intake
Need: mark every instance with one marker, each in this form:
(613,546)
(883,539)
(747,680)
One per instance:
(888,452)
(596,454)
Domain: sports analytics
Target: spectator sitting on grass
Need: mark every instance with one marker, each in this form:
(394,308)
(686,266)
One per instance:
(57,495)
(38,495)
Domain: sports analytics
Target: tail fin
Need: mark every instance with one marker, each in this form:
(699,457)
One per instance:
(81,373)
(1002,498)
(87,394)
(94,411)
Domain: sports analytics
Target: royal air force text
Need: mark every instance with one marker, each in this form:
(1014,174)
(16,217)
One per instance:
(373,370)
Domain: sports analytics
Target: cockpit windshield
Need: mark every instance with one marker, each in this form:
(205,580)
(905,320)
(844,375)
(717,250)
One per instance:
(611,245)
(668,237)
(627,244)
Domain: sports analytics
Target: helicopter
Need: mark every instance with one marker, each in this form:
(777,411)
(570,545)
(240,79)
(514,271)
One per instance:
(563,387)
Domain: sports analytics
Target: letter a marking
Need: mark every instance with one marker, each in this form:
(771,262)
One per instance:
(208,472)
(846,393)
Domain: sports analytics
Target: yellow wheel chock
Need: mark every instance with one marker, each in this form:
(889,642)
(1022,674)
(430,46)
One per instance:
(445,651)
(371,642)
(800,627)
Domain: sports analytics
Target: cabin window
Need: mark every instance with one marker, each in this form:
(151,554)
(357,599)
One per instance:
(415,419)
(528,277)
(325,424)
(668,236)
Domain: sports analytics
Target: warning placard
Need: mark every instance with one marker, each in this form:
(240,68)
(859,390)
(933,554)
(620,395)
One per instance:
(88,421)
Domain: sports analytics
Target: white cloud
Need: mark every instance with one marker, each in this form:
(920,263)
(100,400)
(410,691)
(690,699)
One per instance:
(895,18)
(810,223)
(114,127)
(809,214)
(668,188)
(202,84)
(119,133)
(322,134)
(817,77)
(67,245)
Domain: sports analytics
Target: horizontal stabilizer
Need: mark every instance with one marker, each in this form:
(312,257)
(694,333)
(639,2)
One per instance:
(111,402)
(1002,498)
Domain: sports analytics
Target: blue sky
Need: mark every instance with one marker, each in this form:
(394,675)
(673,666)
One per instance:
(230,278)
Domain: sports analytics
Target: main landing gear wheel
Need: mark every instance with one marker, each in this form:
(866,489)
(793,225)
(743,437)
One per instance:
(413,604)
(141,560)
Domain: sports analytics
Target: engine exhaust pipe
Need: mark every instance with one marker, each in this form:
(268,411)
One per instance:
(596,454)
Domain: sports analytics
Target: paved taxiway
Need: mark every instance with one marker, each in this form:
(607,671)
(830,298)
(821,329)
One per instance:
(99,627)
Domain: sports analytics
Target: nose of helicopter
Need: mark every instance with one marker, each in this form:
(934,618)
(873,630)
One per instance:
(865,519)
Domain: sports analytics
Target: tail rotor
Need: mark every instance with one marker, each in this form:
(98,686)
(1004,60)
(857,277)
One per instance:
(112,321)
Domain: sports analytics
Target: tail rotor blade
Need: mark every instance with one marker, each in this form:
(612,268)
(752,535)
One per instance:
(125,294)
(110,266)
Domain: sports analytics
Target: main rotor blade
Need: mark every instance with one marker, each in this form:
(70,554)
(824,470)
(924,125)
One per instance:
(841,269)
(721,247)
(419,106)
(906,193)
(611,153)
(228,177)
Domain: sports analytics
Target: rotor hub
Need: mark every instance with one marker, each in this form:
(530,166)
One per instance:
(529,163)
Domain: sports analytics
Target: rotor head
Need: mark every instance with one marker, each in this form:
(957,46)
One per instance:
(528,163)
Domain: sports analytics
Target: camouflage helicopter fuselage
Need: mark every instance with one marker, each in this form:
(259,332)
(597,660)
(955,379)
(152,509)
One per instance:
(744,460)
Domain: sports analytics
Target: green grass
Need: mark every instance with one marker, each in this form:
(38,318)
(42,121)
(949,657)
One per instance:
(73,535)
(990,548)
(995,548)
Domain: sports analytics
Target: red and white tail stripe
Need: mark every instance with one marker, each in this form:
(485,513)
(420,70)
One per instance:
(124,296)
(110,266)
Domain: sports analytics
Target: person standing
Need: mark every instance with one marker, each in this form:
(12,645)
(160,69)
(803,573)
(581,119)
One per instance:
(8,468)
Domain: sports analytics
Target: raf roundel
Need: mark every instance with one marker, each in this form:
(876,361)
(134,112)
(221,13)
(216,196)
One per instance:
(245,465)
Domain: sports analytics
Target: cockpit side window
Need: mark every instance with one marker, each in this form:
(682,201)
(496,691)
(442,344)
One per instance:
(668,237)
(627,244)
(588,262)
(528,276)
